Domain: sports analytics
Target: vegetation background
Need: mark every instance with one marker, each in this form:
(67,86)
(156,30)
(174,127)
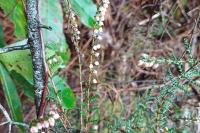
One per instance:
(149,67)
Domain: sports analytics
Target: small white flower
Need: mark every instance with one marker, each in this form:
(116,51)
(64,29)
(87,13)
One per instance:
(98,46)
(91,66)
(39,125)
(94,47)
(140,63)
(99,38)
(101,23)
(78,32)
(50,62)
(78,38)
(102,9)
(46,124)
(34,129)
(95,127)
(145,55)
(51,122)
(97,18)
(94,81)
(96,63)
(155,66)
(75,25)
(55,60)
(148,64)
(56,116)
(105,5)
(96,31)
(96,54)
(52,112)
(100,30)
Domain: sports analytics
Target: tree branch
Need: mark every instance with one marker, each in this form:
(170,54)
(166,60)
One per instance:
(38,55)
(9,49)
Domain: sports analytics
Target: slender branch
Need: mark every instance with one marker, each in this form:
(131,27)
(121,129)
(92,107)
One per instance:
(38,55)
(9,49)
(9,120)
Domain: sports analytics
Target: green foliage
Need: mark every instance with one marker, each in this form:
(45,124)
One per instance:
(11,95)
(86,10)
(67,97)
(21,63)
(51,15)
(23,85)
(65,93)
(14,9)
(154,113)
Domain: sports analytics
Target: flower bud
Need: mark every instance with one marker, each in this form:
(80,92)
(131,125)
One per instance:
(34,129)
(94,81)
(51,122)
(96,63)
(56,116)
(46,124)
(52,112)
(39,126)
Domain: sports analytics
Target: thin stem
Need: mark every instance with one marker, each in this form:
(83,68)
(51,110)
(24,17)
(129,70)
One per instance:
(20,124)
(13,48)
(5,112)
(4,123)
(89,87)
(81,86)
(9,120)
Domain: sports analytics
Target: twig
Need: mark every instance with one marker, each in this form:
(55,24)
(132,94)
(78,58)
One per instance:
(9,120)
(9,49)
(157,15)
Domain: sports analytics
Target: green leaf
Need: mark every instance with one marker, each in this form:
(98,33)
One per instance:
(86,10)
(67,97)
(51,15)
(11,95)
(21,63)
(23,85)
(14,9)
(64,92)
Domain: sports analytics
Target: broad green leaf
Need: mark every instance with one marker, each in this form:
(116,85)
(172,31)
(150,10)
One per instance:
(51,15)
(14,9)
(19,61)
(22,63)
(67,97)
(23,85)
(86,10)
(11,95)
(64,92)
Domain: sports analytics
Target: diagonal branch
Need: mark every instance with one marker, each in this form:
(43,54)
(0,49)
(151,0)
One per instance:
(37,53)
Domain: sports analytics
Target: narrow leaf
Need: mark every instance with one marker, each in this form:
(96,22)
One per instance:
(11,95)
